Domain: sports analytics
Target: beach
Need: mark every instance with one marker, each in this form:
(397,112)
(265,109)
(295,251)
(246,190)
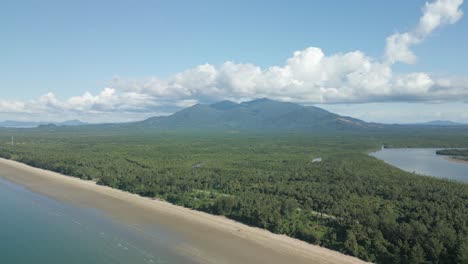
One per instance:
(454,159)
(207,238)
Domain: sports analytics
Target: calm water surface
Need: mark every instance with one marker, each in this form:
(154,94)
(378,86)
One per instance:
(424,161)
(37,229)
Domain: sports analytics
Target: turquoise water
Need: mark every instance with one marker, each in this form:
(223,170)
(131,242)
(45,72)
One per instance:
(37,229)
(424,161)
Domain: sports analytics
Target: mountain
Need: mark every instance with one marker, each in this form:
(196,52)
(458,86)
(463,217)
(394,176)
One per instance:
(262,115)
(224,105)
(441,123)
(26,124)
(73,122)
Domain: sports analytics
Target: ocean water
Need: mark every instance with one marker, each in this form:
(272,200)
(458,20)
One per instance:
(38,229)
(424,161)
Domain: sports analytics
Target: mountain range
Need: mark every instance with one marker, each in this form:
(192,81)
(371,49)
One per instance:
(260,115)
(440,123)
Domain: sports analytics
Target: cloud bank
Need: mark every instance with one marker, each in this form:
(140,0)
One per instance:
(308,76)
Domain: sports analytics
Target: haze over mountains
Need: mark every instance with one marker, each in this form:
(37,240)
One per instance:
(26,124)
(440,123)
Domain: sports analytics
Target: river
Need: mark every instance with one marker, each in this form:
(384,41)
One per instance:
(424,161)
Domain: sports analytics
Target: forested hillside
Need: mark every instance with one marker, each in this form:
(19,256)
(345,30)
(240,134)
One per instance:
(349,201)
(261,115)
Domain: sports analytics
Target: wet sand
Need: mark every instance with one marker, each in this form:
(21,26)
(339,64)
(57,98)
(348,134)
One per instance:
(453,159)
(207,238)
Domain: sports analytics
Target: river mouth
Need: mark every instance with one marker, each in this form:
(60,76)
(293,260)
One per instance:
(424,161)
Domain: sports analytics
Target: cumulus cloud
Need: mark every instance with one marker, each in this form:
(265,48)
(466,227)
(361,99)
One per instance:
(108,105)
(308,76)
(435,14)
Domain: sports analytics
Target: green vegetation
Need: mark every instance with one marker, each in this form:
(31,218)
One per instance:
(349,201)
(261,115)
(460,154)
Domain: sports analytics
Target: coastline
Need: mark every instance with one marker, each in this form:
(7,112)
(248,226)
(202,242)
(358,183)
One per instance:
(453,159)
(209,238)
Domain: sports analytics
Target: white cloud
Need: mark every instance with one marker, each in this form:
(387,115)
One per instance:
(438,13)
(435,14)
(308,76)
(11,106)
(413,84)
(398,48)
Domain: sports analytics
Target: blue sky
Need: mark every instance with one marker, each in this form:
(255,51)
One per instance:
(54,51)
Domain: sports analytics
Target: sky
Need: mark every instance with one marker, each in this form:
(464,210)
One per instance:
(109,61)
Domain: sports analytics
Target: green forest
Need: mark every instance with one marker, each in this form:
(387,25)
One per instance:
(350,202)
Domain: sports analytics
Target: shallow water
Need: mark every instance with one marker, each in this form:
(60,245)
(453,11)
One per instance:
(424,161)
(38,229)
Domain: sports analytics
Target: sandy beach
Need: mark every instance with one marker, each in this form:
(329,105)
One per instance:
(207,238)
(453,159)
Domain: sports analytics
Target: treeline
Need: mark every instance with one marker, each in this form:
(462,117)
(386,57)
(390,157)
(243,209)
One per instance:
(349,202)
(456,153)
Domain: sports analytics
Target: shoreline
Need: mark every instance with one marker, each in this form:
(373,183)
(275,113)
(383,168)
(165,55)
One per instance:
(209,238)
(454,159)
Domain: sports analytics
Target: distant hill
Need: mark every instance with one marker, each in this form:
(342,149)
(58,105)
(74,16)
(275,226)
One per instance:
(73,122)
(263,115)
(440,123)
(26,124)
